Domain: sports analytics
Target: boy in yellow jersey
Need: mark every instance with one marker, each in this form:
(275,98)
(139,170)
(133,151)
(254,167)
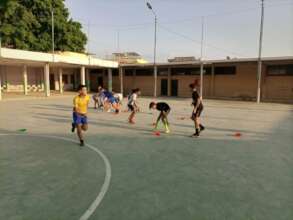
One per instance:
(80,106)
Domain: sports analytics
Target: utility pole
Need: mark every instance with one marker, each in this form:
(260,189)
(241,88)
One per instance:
(155,59)
(88,36)
(259,71)
(118,41)
(87,78)
(155,49)
(201,57)
(118,45)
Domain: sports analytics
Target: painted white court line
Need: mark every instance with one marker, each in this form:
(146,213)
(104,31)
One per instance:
(87,214)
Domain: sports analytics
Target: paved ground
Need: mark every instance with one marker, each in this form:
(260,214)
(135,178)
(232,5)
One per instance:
(218,176)
(14,96)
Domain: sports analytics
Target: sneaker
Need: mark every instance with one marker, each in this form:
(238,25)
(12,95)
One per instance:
(81,143)
(73,127)
(167,131)
(201,127)
(195,134)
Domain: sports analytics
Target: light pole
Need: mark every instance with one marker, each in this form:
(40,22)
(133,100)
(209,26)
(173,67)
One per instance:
(258,98)
(155,50)
(201,57)
(88,36)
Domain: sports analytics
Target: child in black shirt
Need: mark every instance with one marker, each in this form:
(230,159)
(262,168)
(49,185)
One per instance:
(197,110)
(164,109)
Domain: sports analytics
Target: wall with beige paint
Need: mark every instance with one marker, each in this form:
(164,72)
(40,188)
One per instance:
(242,85)
(12,77)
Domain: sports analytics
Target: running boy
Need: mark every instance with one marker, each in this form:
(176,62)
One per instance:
(132,105)
(197,110)
(164,109)
(80,107)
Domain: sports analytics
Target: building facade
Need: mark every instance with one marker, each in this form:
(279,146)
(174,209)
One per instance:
(26,72)
(223,79)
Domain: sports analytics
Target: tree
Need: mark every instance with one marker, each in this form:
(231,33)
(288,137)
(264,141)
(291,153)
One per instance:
(26,24)
(3,3)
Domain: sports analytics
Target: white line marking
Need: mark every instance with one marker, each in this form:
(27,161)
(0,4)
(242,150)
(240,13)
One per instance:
(87,214)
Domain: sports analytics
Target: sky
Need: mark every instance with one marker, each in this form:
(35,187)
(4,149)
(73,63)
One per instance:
(231,27)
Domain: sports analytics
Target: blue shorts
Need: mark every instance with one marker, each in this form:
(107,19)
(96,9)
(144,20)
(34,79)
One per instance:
(79,119)
(112,100)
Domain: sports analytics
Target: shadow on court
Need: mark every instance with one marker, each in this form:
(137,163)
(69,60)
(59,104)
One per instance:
(169,177)
(53,107)
(125,126)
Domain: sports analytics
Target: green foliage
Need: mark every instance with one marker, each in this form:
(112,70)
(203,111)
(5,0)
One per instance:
(3,3)
(27,24)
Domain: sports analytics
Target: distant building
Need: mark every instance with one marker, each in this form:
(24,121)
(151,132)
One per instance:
(223,79)
(128,58)
(27,72)
(182,59)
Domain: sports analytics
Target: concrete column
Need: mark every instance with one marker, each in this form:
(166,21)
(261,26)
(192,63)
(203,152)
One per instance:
(75,84)
(169,82)
(56,81)
(82,75)
(47,79)
(60,74)
(105,76)
(24,74)
(121,75)
(88,82)
(110,80)
(213,82)
(4,78)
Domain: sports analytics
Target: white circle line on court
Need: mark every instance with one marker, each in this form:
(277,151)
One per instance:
(87,214)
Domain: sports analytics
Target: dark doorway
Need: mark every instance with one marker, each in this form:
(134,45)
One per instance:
(164,87)
(174,88)
(100,81)
(96,80)
(52,82)
(72,80)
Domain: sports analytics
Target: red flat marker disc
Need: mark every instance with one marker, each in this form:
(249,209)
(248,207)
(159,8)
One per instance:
(237,134)
(157,133)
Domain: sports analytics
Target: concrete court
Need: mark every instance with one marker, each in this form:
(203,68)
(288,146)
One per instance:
(170,177)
